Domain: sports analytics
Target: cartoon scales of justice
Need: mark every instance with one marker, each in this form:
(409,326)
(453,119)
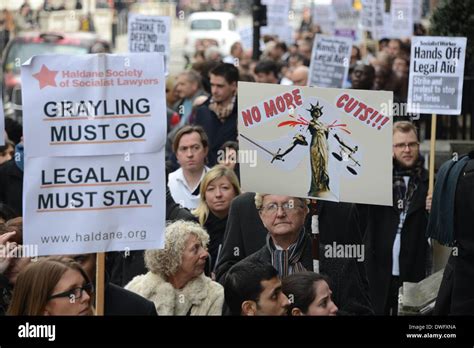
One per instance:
(319,148)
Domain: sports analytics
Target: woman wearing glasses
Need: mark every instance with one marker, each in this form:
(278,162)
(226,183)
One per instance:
(60,287)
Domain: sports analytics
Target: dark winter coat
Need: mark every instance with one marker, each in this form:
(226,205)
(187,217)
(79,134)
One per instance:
(216,228)
(456,295)
(244,233)
(119,301)
(217,132)
(5,294)
(11,186)
(382,222)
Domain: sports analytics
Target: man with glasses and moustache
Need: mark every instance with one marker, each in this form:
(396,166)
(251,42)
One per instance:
(395,243)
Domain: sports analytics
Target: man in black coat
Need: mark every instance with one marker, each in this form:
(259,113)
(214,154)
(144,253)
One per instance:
(218,115)
(246,235)
(118,301)
(396,247)
(11,181)
(456,295)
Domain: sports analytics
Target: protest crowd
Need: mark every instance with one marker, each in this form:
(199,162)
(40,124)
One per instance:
(228,251)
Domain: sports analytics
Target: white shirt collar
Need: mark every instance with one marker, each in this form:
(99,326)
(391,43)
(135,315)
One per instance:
(180,177)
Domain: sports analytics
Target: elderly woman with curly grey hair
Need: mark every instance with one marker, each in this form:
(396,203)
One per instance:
(176,283)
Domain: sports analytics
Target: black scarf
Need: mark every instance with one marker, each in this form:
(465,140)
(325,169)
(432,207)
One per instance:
(222,112)
(402,195)
(216,228)
(5,294)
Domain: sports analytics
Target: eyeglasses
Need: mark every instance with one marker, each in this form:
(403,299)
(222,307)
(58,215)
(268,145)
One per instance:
(402,146)
(75,293)
(287,207)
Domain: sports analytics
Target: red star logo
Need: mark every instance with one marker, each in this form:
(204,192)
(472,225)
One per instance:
(46,77)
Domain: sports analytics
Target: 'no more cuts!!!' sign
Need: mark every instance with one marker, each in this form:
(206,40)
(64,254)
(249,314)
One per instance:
(322,143)
(94,152)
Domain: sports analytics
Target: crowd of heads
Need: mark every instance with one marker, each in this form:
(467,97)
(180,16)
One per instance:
(210,167)
(210,174)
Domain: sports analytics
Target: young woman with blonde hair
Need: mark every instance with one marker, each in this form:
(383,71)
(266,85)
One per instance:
(218,188)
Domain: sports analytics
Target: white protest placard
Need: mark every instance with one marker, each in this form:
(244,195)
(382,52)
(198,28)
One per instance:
(436,74)
(93,104)
(386,32)
(330,61)
(76,205)
(346,32)
(347,20)
(417,10)
(246,37)
(372,17)
(402,18)
(347,16)
(342,7)
(368,14)
(379,10)
(284,33)
(322,143)
(278,12)
(325,16)
(149,34)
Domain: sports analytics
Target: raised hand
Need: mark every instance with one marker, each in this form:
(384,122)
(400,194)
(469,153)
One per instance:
(7,250)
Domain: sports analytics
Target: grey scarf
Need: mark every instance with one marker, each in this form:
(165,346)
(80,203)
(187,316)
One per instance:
(288,261)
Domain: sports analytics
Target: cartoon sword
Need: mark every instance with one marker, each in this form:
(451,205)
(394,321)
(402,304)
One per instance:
(262,148)
(352,150)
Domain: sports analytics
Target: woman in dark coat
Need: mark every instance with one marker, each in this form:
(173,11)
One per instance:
(218,188)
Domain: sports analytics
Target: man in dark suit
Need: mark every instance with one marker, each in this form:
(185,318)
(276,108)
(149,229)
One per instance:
(11,181)
(395,242)
(452,220)
(218,115)
(119,301)
(244,233)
